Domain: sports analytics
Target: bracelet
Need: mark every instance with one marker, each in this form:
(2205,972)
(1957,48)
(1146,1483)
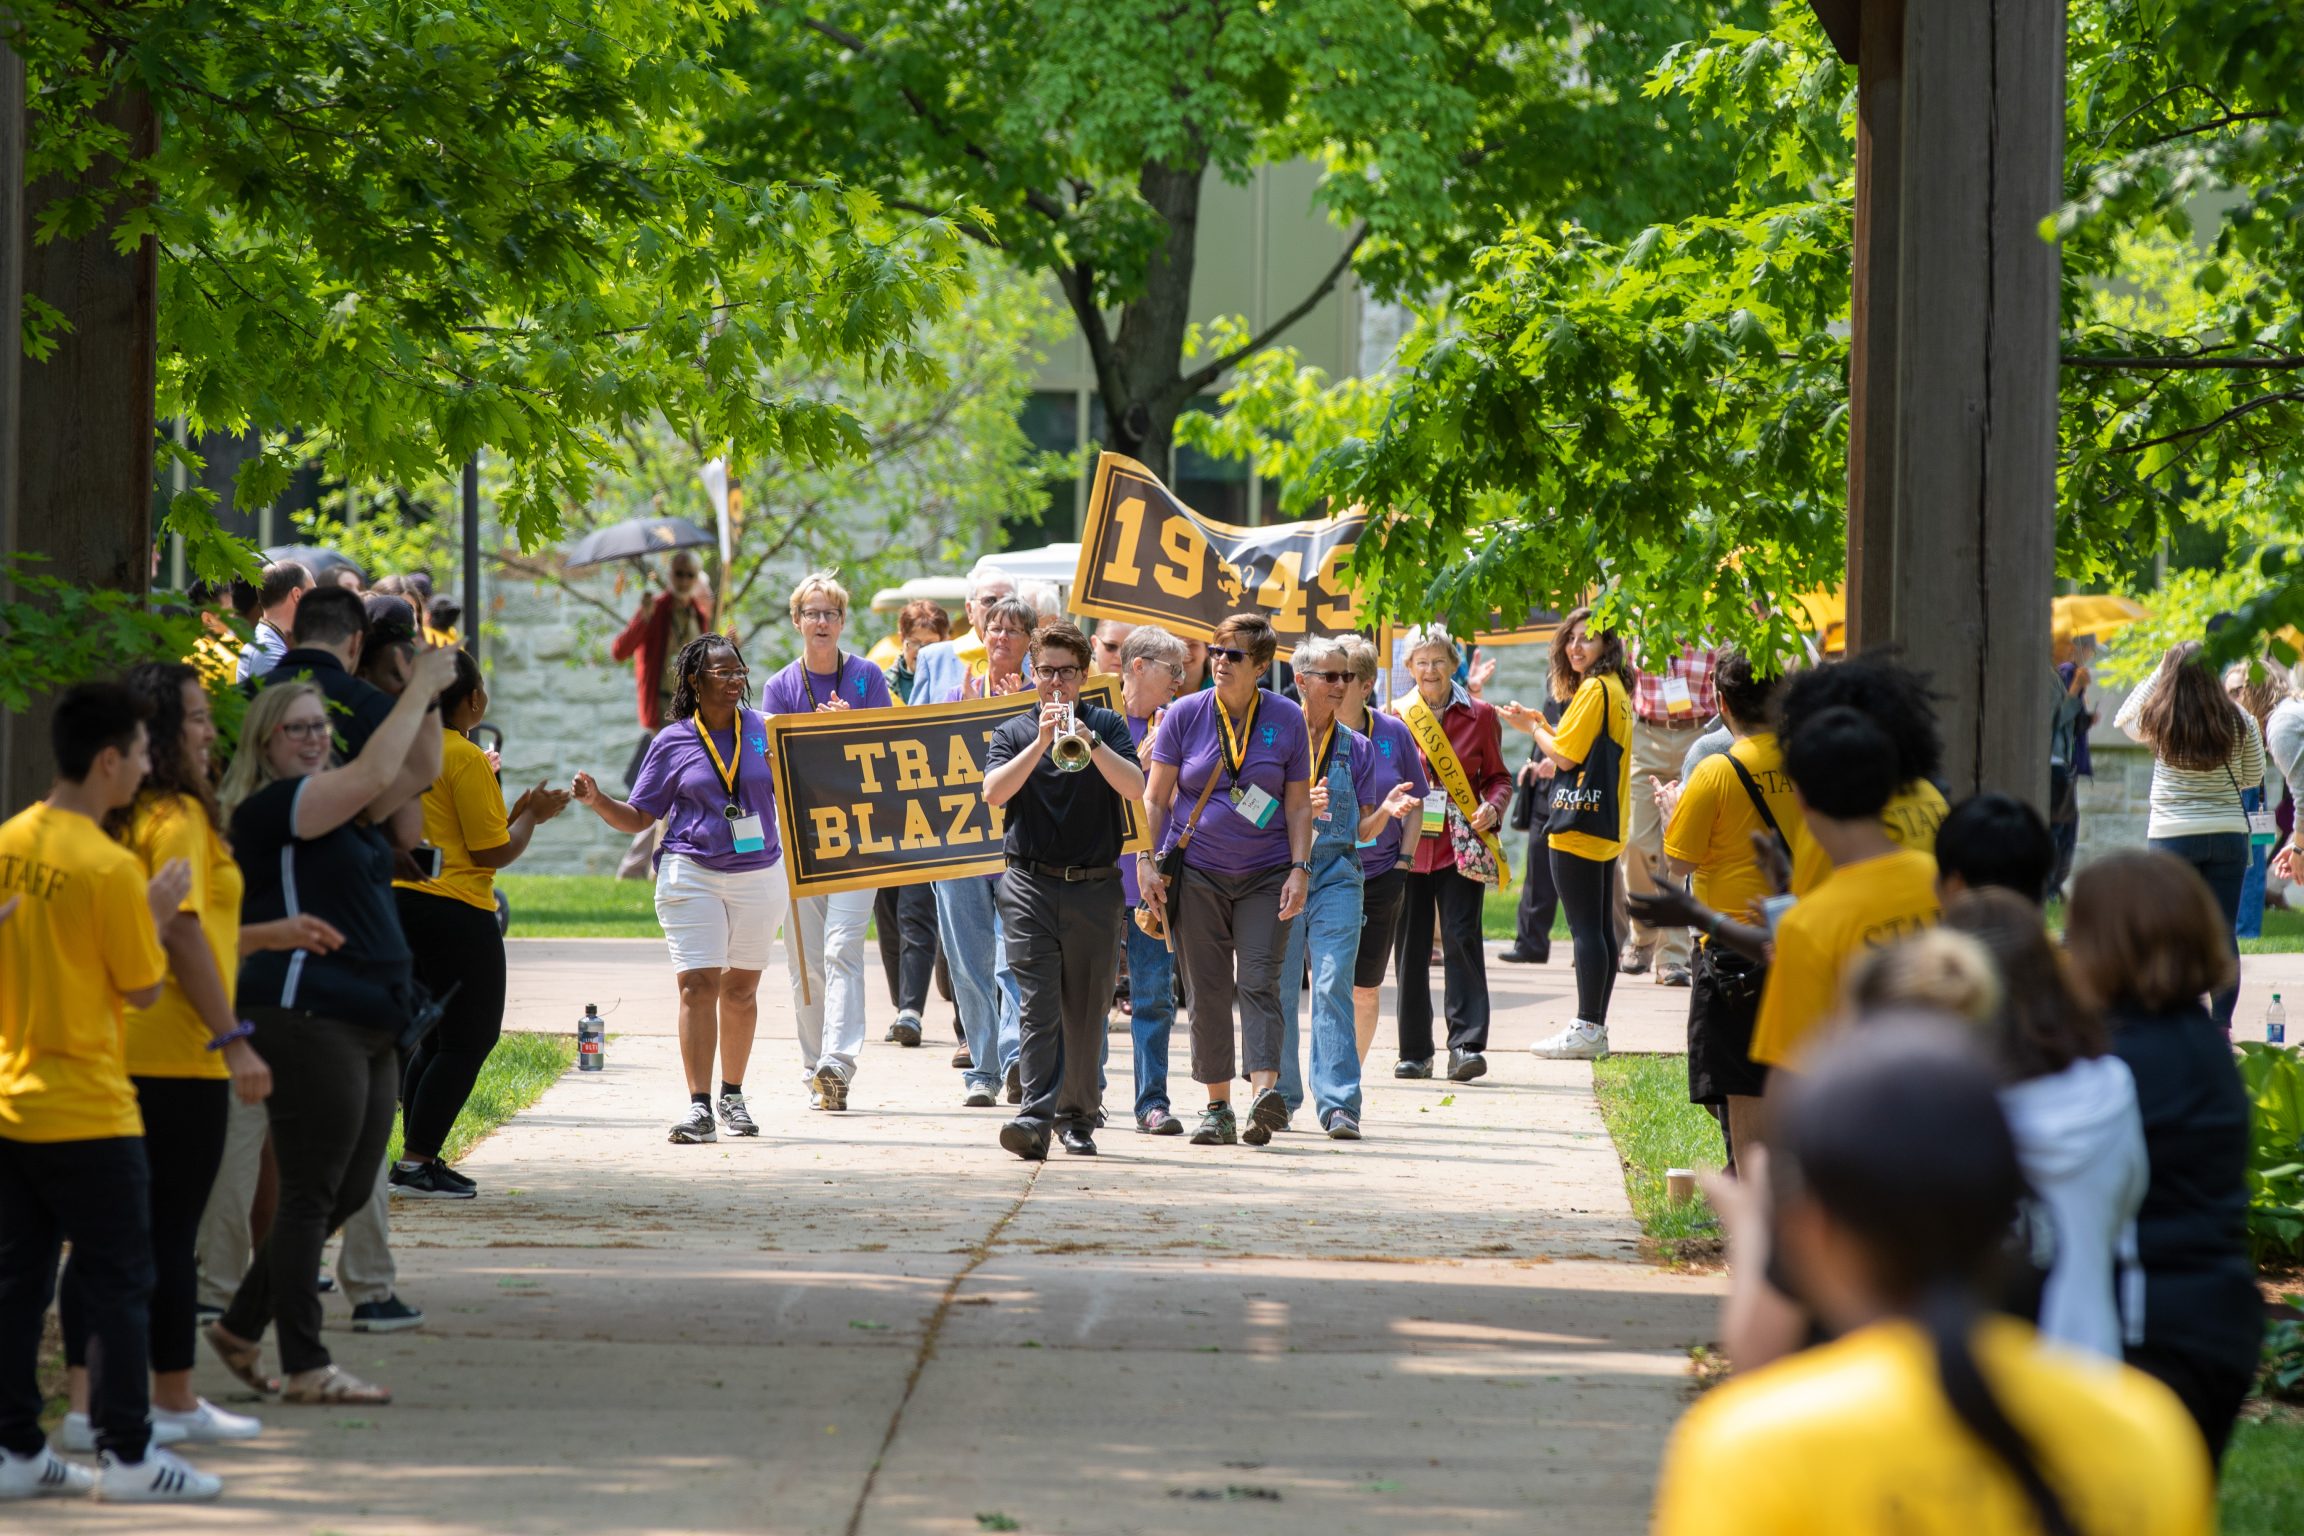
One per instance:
(239,1031)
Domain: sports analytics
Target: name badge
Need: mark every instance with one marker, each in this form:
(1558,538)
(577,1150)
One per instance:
(2263,828)
(751,833)
(1435,812)
(1257,806)
(1677,699)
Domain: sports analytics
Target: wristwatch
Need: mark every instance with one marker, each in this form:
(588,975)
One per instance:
(1302,864)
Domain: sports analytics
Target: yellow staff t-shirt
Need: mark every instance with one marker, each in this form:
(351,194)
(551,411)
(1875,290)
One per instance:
(1713,825)
(1855,1438)
(80,937)
(1913,814)
(463,810)
(1600,705)
(170,1039)
(1865,905)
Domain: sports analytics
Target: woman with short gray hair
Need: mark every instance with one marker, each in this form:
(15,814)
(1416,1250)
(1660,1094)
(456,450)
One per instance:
(1151,670)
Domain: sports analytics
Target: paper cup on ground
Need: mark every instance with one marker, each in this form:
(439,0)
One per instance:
(1680,1185)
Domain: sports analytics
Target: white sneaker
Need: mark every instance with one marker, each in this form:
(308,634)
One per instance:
(44,1475)
(205,1425)
(158,1479)
(78,1432)
(1578,1042)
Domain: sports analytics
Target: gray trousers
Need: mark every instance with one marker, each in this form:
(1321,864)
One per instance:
(1060,936)
(1229,943)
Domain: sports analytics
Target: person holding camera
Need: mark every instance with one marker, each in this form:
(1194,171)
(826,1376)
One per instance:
(1063,774)
(449,915)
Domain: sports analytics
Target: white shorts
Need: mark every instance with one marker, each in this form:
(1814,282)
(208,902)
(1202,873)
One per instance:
(715,920)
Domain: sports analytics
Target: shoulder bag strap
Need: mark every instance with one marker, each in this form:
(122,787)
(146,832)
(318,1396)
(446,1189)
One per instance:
(1759,801)
(1184,838)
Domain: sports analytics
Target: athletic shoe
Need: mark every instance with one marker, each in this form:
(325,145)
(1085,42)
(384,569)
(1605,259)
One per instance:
(1413,1068)
(1672,976)
(326,1284)
(1158,1122)
(832,1083)
(1463,1066)
(448,1175)
(1016,1082)
(158,1479)
(695,1124)
(736,1117)
(1342,1127)
(1217,1128)
(1632,963)
(205,1425)
(422,1183)
(1028,1142)
(1268,1113)
(1578,1042)
(981,1098)
(390,1315)
(906,1029)
(42,1475)
(78,1433)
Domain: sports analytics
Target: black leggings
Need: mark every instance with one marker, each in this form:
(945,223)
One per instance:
(184,1120)
(331,1115)
(1587,890)
(455,945)
(904,917)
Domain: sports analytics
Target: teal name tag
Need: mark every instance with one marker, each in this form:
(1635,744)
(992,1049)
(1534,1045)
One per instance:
(751,834)
(1258,807)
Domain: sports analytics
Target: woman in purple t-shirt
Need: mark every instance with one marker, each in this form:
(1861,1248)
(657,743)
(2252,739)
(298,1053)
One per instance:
(720,896)
(1247,863)
(829,1014)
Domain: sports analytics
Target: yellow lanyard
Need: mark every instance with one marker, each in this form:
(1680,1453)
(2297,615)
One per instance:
(808,679)
(1327,742)
(1236,753)
(726,776)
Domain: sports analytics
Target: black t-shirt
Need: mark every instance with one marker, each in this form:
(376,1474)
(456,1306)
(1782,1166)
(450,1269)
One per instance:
(344,876)
(1059,817)
(355,708)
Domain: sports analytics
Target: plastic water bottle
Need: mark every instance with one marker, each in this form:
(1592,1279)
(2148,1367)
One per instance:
(591,1040)
(2276,1023)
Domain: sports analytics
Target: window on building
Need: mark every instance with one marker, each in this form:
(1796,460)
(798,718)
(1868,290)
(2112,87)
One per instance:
(1216,488)
(1051,421)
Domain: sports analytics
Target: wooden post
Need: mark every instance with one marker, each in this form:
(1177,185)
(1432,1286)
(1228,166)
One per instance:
(1960,155)
(83,474)
(12,128)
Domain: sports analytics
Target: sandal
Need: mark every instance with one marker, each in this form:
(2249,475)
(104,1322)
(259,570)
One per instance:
(243,1359)
(337,1385)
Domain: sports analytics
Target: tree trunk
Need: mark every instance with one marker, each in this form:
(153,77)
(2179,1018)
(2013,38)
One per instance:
(1141,373)
(83,473)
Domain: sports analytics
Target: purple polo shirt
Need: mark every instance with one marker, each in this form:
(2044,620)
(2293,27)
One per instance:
(1393,751)
(1276,755)
(794,691)
(679,786)
(1137,730)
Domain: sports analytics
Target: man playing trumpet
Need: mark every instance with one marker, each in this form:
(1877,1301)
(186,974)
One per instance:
(1063,775)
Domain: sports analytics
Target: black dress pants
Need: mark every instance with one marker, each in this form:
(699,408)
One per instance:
(904,918)
(333,1088)
(1463,963)
(1059,937)
(1539,901)
(96,1195)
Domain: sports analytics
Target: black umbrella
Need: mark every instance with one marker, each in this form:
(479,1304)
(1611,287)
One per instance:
(319,564)
(640,536)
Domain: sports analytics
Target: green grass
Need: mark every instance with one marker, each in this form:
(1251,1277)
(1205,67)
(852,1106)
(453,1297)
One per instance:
(1644,1101)
(518,1071)
(580,907)
(2262,1493)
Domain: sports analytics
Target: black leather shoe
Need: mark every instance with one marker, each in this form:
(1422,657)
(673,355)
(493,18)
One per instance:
(1015,1082)
(1028,1142)
(1463,1066)
(1412,1069)
(1076,1140)
(1518,956)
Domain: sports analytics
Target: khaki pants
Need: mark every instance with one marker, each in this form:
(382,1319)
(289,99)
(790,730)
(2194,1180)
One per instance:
(223,1247)
(364,1268)
(1656,751)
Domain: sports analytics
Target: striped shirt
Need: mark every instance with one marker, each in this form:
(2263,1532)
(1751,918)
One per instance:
(2195,802)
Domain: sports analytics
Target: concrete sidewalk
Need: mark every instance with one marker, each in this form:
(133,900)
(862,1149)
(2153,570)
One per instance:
(879,1322)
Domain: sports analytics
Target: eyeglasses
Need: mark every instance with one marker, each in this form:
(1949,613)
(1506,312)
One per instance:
(821,615)
(1432,663)
(1333,679)
(717,675)
(1227,653)
(1061,674)
(303,730)
(1013,634)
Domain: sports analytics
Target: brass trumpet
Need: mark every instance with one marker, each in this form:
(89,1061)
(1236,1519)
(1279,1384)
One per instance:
(1072,747)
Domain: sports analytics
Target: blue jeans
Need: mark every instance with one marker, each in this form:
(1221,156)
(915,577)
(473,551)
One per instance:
(1329,929)
(983,988)
(1152,999)
(2222,860)
(2250,921)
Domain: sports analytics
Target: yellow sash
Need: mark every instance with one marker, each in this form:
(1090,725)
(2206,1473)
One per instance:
(1425,727)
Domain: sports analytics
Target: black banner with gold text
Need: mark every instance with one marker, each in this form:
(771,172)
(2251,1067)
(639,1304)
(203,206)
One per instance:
(874,797)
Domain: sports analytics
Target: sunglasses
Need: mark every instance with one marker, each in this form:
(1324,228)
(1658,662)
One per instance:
(1227,653)
(1333,679)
